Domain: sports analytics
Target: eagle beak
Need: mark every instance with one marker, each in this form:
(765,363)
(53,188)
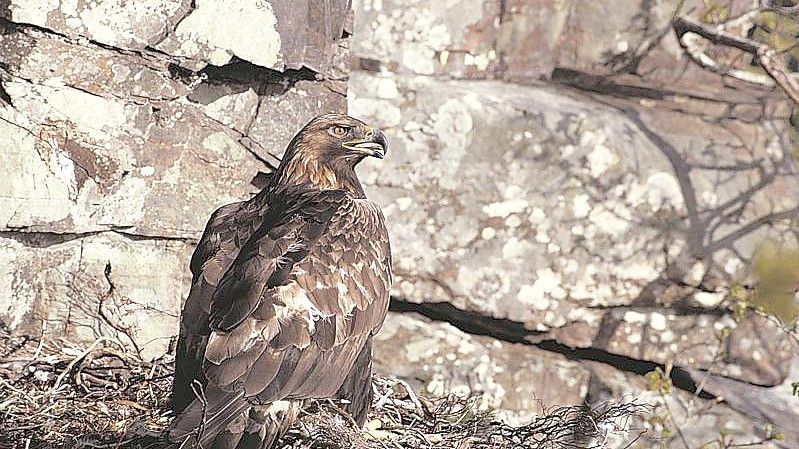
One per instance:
(374,144)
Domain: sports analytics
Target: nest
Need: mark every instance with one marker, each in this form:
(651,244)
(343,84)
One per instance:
(103,396)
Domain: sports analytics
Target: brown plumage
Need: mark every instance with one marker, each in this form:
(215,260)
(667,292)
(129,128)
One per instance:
(288,289)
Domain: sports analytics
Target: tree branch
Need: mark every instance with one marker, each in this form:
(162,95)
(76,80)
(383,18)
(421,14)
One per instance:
(687,28)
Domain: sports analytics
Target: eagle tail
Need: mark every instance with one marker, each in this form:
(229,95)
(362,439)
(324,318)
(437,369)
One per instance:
(268,423)
(202,420)
(357,387)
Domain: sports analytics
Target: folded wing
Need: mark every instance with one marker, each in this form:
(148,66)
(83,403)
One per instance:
(288,290)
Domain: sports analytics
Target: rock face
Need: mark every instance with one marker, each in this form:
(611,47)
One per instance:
(700,422)
(575,218)
(513,378)
(539,180)
(104,284)
(124,126)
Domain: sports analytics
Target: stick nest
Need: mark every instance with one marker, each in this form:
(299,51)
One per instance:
(103,396)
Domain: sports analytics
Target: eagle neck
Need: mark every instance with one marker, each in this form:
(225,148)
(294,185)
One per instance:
(295,171)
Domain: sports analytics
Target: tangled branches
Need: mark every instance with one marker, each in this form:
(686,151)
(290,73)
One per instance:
(403,421)
(104,397)
(696,35)
(82,398)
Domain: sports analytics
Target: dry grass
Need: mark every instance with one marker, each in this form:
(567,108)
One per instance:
(104,397)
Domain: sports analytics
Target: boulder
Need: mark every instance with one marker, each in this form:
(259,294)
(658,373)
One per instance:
(78,288)
(610,224)
(523,41)
(677,419)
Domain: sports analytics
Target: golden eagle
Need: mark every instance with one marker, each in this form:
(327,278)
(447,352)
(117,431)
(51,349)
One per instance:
(288,289)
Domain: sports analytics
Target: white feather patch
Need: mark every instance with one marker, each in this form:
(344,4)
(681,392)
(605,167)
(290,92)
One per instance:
(297,302)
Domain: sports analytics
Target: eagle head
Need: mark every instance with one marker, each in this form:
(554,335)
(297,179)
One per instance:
(334,138)
(326,150)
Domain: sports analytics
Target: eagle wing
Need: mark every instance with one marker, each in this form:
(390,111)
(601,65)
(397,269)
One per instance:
(288,290)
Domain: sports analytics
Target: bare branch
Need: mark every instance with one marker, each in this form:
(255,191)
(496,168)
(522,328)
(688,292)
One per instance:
(688,28)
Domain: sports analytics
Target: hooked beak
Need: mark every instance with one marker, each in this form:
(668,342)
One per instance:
(374,144)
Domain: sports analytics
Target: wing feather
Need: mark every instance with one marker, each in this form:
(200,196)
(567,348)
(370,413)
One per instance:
(256,266)
(214,253)
(267,367)
(226,374)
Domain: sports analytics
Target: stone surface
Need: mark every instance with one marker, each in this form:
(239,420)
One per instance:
(753,349)
(205,34)
(516,379)
(628,42)
(85,162)
(518,40)
(454,38)
(552,209)
(117,23)
(610,210)
(79,288)
(119,140)
(277,34)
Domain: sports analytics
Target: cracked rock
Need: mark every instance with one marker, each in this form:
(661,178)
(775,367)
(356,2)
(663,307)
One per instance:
(65,284)
(119,140)
(513,378)
(699,421)
(276,34)
(119,24)
(552,209)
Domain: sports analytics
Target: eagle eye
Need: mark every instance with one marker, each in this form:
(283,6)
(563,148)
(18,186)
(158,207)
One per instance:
(339,131)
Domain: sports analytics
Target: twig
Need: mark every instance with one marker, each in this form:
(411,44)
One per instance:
(412,396)
(199,393)
(41,342)
(686,27)
(12,388)
(79,358)
(114,416)
(791,333)
(671,417)
(344,414)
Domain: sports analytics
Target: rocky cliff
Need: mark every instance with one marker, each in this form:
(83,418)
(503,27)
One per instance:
(570,191)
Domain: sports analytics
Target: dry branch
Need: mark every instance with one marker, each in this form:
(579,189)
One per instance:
(687,28)
(101,397)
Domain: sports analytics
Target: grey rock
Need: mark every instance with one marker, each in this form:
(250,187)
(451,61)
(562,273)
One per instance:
(565,213)
(523,41)
(120,24)
(276,34)
(456,38)
(614,216)
(772,405)
(753,349)
(675,415)
(516,379)
(80,288)
(118,141)
(519,41)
